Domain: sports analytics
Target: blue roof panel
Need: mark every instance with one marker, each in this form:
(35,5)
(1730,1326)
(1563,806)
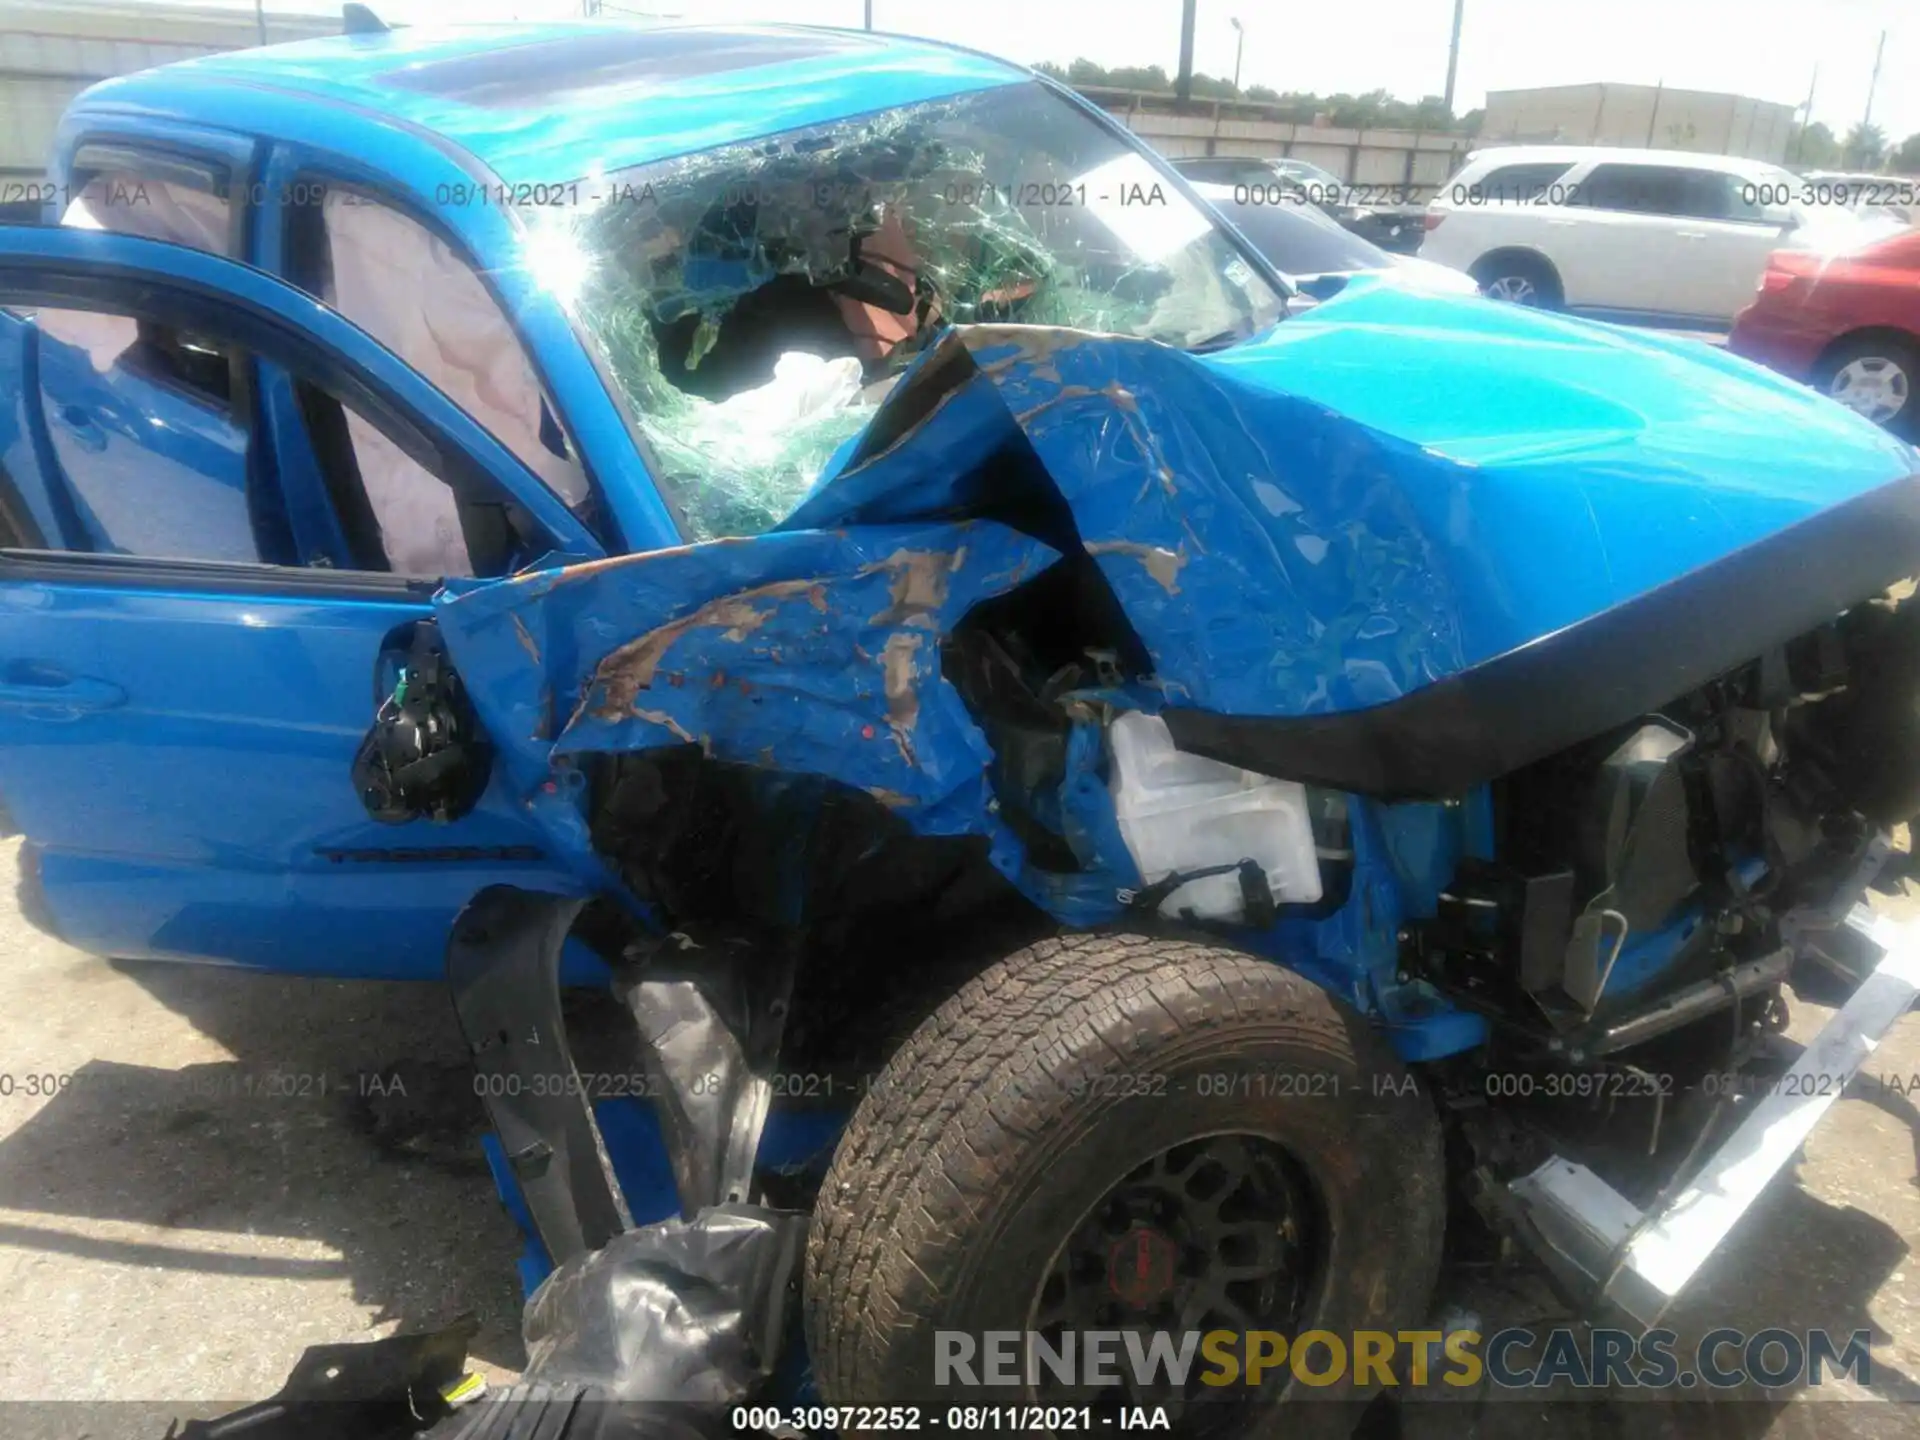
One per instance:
(553,102)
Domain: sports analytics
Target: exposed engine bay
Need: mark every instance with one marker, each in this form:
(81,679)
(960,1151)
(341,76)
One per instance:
(1641,898)
(1659,885)
(1668,871)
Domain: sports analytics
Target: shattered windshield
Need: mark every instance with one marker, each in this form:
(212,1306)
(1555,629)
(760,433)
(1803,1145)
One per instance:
(754,303)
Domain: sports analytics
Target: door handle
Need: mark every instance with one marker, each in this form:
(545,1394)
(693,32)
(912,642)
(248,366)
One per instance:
(40,685)
(1691,234)
(79,422)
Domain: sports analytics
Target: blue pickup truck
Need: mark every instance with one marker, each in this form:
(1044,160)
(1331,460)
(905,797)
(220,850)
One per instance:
(1075,771)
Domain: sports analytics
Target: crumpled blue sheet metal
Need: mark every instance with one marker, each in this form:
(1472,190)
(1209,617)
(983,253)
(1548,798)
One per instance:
(1275,555)
(812,652)
(1258,543)
(1513,474)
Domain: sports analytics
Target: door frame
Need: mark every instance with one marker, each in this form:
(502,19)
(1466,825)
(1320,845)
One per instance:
(250,309)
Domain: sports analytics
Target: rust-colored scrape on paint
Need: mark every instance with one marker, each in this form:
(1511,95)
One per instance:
(1161,563)
(903,701)
(619,679)
(525,637)
(916,585)
(1036,345)
(667,722)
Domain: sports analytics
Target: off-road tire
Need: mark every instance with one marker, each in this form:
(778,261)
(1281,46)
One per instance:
(1011,1110)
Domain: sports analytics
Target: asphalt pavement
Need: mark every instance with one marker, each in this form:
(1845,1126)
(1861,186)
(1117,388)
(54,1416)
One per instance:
(194,1187)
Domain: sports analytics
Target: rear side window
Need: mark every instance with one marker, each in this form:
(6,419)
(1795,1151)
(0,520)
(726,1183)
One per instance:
(128,202)
(1712,195)
(1674,190)
(132,202)
(1641,189)
(1524,183)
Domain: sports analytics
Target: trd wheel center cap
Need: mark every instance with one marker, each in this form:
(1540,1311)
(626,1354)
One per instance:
(1140,1266)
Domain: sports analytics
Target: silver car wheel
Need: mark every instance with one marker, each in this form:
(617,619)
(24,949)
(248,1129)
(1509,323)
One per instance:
(1873,385)
(1517,289)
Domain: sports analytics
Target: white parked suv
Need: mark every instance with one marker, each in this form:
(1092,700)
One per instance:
(1643,235)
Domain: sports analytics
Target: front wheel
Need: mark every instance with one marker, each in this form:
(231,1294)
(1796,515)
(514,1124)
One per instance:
(1121,1133)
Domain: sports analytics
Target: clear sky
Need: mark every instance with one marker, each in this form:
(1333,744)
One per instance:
(1765,48)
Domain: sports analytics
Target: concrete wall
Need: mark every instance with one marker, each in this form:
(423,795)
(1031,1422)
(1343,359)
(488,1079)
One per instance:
(1641,115)
(51,50)
(1383,162)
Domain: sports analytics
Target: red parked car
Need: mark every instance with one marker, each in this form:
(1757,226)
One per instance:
(1847,324)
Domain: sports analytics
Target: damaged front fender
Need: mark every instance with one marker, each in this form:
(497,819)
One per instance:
(810,653)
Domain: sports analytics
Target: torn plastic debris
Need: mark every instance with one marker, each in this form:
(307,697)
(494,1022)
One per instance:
(803,387)
(678,1310)
(654,1337)
(763,449)
(388,1389)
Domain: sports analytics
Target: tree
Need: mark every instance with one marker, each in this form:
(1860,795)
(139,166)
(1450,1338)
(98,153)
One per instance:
(1906,160)
(1205,87)
(1815,148)
(1375,110)
(1866,147)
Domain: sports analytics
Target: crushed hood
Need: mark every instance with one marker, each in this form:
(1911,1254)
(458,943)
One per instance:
(1371,497)
(1355,508)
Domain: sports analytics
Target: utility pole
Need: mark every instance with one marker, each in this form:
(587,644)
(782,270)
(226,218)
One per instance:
(1806,119)
(1453,54)
(1183,85)
(1874,84)
(260,21)
(1856,156)
(869,14)
(1239,44)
